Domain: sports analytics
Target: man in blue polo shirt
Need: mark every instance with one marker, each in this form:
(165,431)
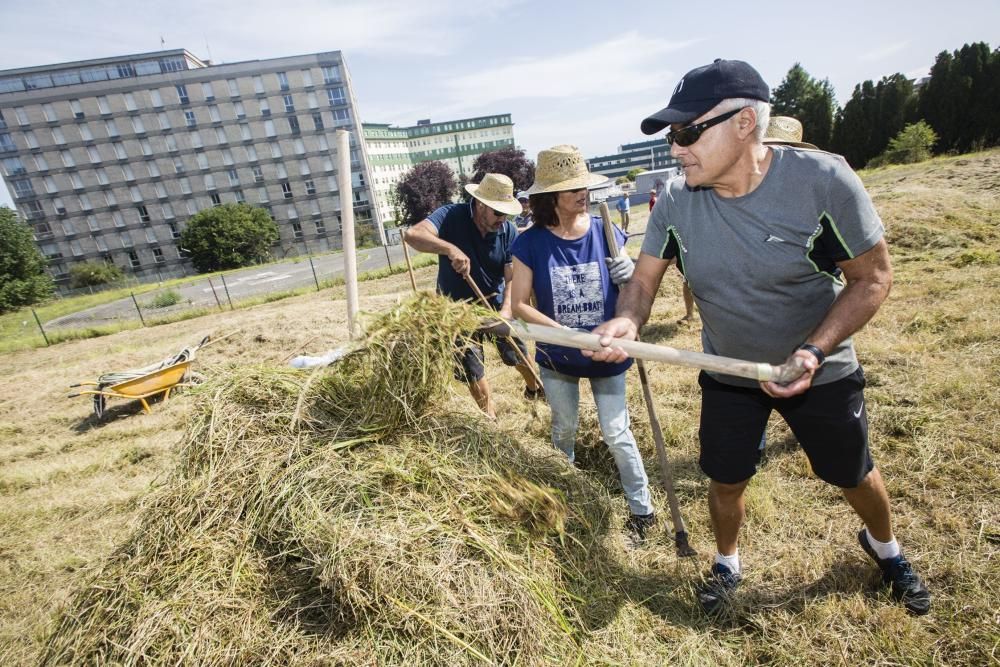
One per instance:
(474,239)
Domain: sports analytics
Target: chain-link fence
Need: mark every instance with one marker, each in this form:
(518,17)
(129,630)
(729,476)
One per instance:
(145,304)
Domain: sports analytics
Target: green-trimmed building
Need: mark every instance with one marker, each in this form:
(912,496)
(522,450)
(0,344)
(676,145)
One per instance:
(392,151)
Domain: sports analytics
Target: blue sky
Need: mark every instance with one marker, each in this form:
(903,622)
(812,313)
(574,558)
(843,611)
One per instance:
(584,73)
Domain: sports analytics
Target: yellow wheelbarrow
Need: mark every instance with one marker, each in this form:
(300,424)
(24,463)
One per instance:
(141,383)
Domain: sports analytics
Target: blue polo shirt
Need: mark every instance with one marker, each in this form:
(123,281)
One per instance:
(488,254)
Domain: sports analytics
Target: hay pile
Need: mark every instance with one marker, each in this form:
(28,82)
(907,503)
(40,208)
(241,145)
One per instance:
(344,517)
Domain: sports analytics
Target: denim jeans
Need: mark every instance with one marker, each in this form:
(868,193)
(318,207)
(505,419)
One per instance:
(563,395)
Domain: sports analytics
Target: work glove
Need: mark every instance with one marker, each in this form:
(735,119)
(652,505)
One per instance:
(620,268)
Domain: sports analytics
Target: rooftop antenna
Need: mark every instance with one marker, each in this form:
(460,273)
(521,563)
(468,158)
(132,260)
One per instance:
(208,50)
(162,42)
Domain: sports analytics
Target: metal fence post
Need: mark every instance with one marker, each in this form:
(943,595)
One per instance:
(137,308)
(313,267)
(387,258)
(219,303)
(47,343)
(226,287)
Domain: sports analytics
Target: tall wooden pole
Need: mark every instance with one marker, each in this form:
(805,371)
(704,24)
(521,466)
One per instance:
(343,141)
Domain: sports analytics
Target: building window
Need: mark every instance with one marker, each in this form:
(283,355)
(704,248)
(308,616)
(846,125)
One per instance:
(145,147)
(152,169)
(102,176)
(275,149)
(331,73)
(220,136)
(300,147)
(111,127)
(320,227)
(213,114)
(84,201)
(120,151)
(7,144)
(216,199)
(262,195)
(227,157)
(234,88)
(251,153)
(67,159)
(258,174)
(158,256)
(171,142)
(50,185)
(57,136)
(240,112)
(189,118)
(127,172)
(85,132)
(265,108)
(135,193)
(280,169)
(269,129)
(143,213)
(296,226)
(307,78)
(258,85)
(206,90)
(196,141)
(76,108)
(240,197)
(293,125)
(286,190)
(282,80)
(209,182)
(125,240)
(202,160)
(109,198)
(161,190)
(175,233)
(92,223)
(192,207)
(234,177)
(101,244)
(304,167)
(118,218)
(312,100)
(167,211)
(341,117)
(310,188)
(12,166)
(318,120)
(23,188)
(245,134)
(289,103)
(22,117)
(133,259)
(102,104)
(150,235)
(33,210)
(185,186)
(178,165)
(336,96)
(155,98)
(182,93)
(77,182)
(130,102)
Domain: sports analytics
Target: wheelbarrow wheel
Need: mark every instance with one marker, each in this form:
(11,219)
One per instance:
(100,402)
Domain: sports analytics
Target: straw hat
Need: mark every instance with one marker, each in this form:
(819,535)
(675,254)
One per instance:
(785,131)
(562,168)
(497,192)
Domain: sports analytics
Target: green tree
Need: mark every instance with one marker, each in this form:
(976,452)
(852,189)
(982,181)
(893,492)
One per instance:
(87,274)
(421,190)
(960,99)
(23,280)
(914,143)
(633,173)
(228,237)
(809,101)
(508,161)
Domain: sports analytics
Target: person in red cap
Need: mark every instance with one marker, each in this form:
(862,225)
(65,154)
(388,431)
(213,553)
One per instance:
(785,256)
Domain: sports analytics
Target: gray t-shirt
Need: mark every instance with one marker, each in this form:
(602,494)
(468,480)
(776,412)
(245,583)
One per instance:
(762,267)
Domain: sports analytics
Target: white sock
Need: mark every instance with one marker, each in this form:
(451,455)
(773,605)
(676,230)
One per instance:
(732,562)
(884,550)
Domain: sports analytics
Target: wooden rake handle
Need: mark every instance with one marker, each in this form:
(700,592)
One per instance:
(582,340)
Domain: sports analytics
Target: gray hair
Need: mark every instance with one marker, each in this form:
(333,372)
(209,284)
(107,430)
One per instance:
(761,108)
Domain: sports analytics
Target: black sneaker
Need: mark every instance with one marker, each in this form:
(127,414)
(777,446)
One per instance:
(898,573)
(534,394)
(637,526)
(714,593)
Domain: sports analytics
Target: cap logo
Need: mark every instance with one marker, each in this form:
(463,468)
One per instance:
(679,86)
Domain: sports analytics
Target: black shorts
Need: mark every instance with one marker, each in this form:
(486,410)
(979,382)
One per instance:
(469,355)
(829,421)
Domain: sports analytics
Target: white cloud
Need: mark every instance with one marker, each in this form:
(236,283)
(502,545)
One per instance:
(627,64)
(884,52)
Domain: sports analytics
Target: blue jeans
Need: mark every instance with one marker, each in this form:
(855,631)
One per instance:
(563,395)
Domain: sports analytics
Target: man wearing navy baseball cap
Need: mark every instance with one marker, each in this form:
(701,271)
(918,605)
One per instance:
(784,253)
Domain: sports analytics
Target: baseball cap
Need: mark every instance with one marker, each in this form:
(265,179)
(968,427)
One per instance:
(704,87)
(522,195)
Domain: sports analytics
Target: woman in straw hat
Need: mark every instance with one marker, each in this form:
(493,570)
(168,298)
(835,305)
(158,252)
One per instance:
(564,259)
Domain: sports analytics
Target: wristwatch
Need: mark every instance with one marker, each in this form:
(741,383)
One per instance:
(815,351)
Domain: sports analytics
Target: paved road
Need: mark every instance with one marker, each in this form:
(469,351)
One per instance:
(242,284)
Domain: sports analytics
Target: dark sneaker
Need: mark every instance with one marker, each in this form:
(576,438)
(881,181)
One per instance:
(899,575)
(534,394)
(716,591)
(637,526)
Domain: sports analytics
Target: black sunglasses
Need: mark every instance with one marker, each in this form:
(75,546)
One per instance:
(690,134)
(499,214)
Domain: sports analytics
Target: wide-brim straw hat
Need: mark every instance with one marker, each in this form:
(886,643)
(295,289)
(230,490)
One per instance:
(497,192)
(562,168)
(785,131)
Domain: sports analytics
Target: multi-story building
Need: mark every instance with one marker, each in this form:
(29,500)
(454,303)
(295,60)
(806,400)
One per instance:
(649,155)
(394,150)
(108,158)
